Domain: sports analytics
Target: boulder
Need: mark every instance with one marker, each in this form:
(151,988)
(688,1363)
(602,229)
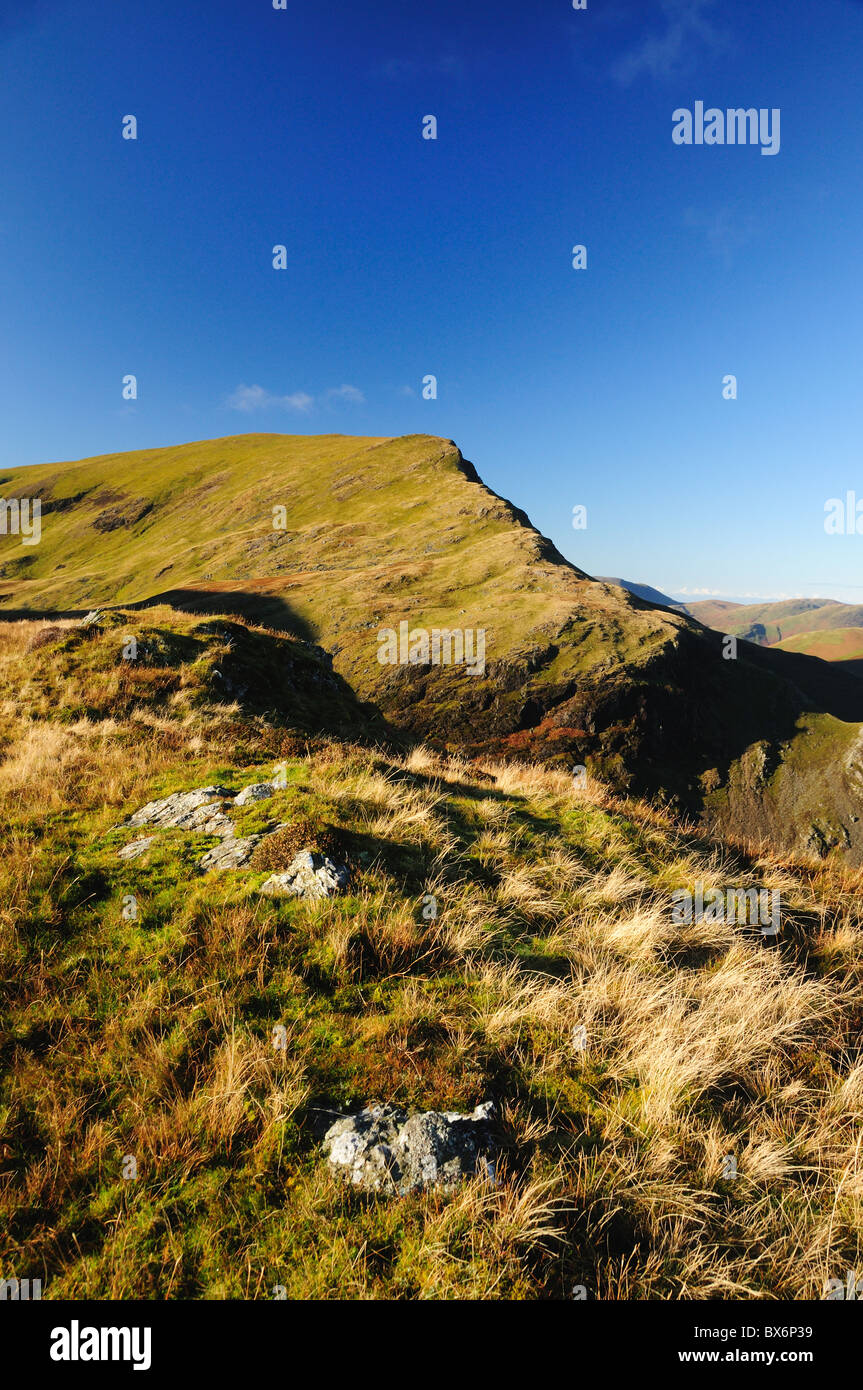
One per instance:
(258,791)
(136,848)
(310,876)
(186,810)
(230,854)
(382,1149)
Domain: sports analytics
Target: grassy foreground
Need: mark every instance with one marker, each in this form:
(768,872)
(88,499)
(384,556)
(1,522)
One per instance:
(629,1057)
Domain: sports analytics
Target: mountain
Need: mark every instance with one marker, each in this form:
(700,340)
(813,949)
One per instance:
(721,600)
(334,540)
(178,1035)
(648,593)
(838,644)
(716,613)
(772,623)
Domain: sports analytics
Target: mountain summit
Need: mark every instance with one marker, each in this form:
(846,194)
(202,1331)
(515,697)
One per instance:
(339,541)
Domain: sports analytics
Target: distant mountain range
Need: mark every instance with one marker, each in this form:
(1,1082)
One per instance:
(336,540)
(816,627)
(649,594)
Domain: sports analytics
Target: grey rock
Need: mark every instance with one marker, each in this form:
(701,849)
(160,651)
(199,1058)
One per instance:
(136,848)
(310,876)
(382,1149)
(258,791)
(230,854)
(186,810)
(209,820)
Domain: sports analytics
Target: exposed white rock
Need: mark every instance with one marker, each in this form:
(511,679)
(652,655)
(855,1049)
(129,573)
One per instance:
(182,810)
(136,848)
(200,811)
(309,876)
(382,1149)
(210,820)
(229,854)
(258,791)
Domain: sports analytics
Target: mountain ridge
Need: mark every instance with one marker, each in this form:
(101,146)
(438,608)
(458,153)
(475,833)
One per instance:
(771,623)
(375,531)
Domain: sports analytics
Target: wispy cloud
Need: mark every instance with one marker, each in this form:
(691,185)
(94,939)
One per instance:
(687,28)
(352,394)
(684,592)
(252,398)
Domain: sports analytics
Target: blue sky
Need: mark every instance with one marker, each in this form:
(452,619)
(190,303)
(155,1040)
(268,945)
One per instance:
(409,257)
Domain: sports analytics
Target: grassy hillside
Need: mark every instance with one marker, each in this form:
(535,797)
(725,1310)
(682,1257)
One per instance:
(775,623)
(151,1038)
(715,612)
(843,644)
(377,531)
(388,522)
(382,531)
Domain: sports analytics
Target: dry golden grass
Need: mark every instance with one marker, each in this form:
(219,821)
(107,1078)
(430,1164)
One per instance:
(631,1057)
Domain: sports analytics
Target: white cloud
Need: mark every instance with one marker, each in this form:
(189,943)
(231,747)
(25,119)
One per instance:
(298,401)
(352,394)
(248,398)
(251,398)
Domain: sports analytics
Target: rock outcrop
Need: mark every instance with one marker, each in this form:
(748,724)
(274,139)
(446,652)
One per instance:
(187,811)
(136,848)
(382,1149)
(258,791)
(309,876)
(231,853)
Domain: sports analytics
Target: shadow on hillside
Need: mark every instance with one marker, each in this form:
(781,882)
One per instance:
(833,687)
(260,671)
(851,666)
(675,723)
(263,609)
